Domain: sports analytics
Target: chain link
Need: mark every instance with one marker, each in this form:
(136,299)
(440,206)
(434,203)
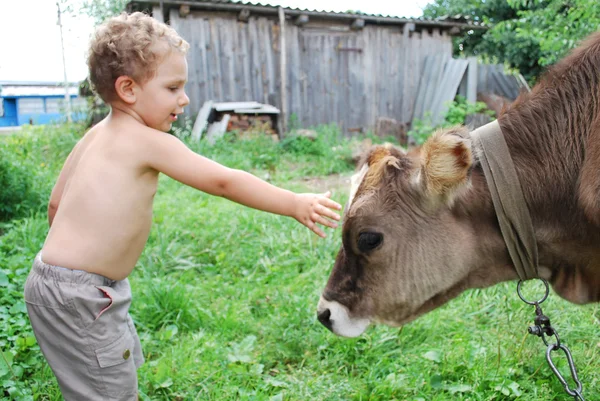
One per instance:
(545,331)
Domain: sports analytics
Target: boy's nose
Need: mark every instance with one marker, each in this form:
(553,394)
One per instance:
(185,100)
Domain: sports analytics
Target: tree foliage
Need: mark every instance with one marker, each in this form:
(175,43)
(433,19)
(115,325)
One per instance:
(100,10)
(528,35)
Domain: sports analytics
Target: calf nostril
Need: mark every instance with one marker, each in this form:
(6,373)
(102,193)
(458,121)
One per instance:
(325,318)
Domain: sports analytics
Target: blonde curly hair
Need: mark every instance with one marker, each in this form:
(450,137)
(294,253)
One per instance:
(131,45)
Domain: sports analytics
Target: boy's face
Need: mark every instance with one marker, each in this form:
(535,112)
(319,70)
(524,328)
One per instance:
(163,97)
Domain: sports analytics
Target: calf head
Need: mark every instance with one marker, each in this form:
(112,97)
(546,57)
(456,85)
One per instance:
(406,247)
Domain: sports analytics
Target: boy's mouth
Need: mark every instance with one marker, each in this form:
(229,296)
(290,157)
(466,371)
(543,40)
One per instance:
(173,116)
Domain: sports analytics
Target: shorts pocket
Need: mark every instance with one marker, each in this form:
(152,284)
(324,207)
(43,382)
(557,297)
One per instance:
(117,367)
(100,304)
(116,353)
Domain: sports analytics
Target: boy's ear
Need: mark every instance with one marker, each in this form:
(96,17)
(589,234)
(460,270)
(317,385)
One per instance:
(125,87)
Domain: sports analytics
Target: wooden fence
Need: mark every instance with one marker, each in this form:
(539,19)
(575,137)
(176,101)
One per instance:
(333,74)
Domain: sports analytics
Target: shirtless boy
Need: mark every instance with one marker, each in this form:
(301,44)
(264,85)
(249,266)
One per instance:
(100,210)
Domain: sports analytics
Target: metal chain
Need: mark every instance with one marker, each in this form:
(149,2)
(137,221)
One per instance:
(544,329)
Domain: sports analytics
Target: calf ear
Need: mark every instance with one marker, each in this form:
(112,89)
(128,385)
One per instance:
(446,161)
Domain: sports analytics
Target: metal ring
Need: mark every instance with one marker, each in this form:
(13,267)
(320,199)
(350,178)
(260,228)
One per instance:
(555,334)
(535,302)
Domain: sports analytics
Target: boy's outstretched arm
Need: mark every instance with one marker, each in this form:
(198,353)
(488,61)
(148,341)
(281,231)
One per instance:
(170,156)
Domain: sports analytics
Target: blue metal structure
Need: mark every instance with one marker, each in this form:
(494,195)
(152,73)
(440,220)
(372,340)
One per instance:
(37,103)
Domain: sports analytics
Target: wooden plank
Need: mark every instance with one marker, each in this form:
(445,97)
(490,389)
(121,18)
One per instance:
(417,68)
(358,101)
(472,80)
(201,120)
(431,85)
(244,62)
(263,109)
(282,74)
(523,85)
(228,106)
(294,72)
(424,82)
(157,13)
(255,71)
(201,68)
(432,82)
(453,75)
(327,46)
(217,129)
(506,86)
(189,34)
(182,26)
(217,72)
(268,61)
(232,79)
(462,86)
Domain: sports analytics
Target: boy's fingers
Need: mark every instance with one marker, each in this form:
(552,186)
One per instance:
(330,203)
(328,213)
(323,221)
(313,226)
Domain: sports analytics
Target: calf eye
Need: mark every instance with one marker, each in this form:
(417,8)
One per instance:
(368,241)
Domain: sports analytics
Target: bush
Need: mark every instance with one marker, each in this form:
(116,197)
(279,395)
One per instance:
(30,161)
(303,145)
(17,196)
(458,110)
(329,153)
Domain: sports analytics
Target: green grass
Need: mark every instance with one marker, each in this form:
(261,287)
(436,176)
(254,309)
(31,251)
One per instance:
(224,298)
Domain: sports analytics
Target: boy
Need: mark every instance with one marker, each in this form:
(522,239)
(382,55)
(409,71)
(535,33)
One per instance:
(100,209)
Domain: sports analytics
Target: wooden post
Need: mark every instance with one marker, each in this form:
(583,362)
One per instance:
(472,80)
(62,48)
(283,74)
(157,13)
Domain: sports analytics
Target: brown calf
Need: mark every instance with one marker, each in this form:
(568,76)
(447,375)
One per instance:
(421,227)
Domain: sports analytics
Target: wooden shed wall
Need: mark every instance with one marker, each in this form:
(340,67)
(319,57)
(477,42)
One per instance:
(334,74)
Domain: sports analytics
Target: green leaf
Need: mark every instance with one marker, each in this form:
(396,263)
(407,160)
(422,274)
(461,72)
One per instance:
(278,397)
(242,351)
(275,383)
(434,356)
(18,371)
(6,360)
(458,388)
(436,381)
(18,308)
(26,342)
(167,383)
(257,369)
(515,388)
(3,279)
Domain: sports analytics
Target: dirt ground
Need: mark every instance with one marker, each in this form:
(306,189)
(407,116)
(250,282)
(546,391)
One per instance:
(334,182)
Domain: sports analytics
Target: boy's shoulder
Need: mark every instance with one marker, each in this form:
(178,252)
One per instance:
(136,138)
(123,130)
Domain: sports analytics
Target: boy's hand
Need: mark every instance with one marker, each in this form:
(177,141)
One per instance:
(314,208)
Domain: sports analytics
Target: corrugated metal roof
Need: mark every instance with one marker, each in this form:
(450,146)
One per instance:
(12,89)
(36,83)
(325,10)
(458,20)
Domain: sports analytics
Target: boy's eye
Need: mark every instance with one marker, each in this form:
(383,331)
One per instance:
(173,88)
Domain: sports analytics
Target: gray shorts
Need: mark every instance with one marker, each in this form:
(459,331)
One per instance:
(82,324)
